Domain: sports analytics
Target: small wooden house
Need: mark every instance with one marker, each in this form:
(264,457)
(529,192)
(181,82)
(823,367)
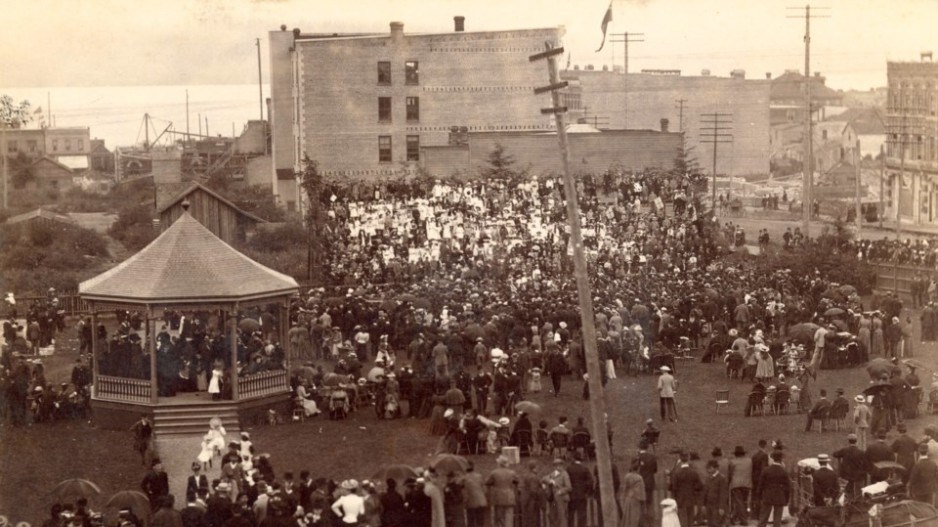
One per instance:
(222,217)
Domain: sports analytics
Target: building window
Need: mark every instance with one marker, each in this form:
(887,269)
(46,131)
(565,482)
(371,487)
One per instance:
(384,109)
(384,73)
(55,145)
(384,149)
(413,108)
(81,145)
(411,72)
(68,145)
(32,145)
(11,146)
(413,148)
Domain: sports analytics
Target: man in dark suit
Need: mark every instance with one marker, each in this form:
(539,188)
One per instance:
(193,514)
(647,468)
(219,506)
(820,410)
(715,495)
(685,484)
(905,447)
(155,484)
(581,486)
(923,479)
(825,482)
(196,480)
(853,466)
(760,460)
(776,491)
(876,452)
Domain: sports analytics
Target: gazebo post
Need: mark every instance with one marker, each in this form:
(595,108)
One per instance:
(94,349)
(284,317)
(151,345)
(234,353)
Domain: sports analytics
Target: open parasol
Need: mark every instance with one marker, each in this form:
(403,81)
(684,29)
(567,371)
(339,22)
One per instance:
(375,373)
(847,290)
(879,367)
(75,488)
(834,312)
(877,389)
(249,325)
(804,332)
(912,363)
(446,463)
(134,500)
(527,407)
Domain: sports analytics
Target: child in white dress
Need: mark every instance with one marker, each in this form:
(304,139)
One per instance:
(534,380)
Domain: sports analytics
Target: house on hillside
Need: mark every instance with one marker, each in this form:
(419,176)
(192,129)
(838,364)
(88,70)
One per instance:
(211,209)
(43,174)
(787,97)
(40,215)
(102,159)
(869,126)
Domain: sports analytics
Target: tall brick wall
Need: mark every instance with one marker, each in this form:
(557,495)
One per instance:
(589,153)
(653,97)
(483,81)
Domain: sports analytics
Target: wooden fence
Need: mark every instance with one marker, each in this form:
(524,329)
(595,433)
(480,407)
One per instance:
(123,389)
(263,383)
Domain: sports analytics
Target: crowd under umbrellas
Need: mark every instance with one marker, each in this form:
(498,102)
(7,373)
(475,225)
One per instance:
(460,333)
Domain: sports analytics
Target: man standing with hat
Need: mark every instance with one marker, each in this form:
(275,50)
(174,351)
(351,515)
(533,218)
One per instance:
(853,466)
(196,480)
(667,387)
(825,482)
(877,452)
(740,478)
(923,479)
(776,491)
(861,419)
(155,484)
(905,448)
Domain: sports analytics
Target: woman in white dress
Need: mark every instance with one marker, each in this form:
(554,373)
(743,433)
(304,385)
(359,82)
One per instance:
(669,517)
(308,404)
(214,385)
(216,436)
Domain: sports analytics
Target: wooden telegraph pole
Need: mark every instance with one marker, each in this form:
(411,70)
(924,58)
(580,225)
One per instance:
(597,400)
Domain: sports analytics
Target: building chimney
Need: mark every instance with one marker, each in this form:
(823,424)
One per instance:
(664,125)
(283,27)
(460,23)
(817,74)
(738,74)
(704,73)
(926,55)
(397,30)
(768,75)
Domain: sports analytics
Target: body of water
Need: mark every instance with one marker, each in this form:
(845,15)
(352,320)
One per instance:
(115,113)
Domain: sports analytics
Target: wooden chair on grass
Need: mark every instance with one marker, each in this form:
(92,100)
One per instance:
(722,399)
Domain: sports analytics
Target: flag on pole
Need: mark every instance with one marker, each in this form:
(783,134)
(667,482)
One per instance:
(606,19)
(38,110)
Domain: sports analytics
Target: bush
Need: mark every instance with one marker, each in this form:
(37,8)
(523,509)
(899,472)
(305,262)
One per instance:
(36,256)
(279,238)
(134,227)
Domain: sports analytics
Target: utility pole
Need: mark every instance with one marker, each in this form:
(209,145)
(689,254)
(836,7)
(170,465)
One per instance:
(597,402)
(807,178)
(716,129)
(680,120)
(859,208)
(187,114)
(260,84)
(626,38)
(902,131)
(4,162)
(882,184)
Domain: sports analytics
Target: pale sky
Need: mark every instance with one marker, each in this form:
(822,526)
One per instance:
(132,42)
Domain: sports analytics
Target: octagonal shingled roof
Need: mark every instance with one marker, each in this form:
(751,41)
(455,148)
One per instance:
(187,264)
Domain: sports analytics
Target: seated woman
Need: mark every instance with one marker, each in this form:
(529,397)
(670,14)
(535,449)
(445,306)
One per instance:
(522,435)
(305,399)
(756,397)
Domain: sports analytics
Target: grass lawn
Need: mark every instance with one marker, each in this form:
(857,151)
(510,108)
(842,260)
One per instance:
(34,459)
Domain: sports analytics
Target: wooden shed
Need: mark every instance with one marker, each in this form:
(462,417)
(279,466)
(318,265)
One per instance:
(212,210)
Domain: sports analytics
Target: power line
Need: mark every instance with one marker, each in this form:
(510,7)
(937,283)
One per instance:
(715,129)
(807,203)
(626,38)
(680,106)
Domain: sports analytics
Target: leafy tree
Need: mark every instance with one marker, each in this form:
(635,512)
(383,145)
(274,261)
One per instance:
(134,227)
(13,115)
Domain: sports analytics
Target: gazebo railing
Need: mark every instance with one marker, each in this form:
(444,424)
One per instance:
(123,389)
(263,383)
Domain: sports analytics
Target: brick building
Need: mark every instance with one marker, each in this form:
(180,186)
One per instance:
(591,151)
(365,105)
(650,101)
(912,133)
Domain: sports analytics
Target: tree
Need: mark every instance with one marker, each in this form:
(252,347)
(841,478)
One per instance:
(500,167)
(317,221)
(13,115)
(685,162)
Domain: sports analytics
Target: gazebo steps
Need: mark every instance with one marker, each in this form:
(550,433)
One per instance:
(194,419)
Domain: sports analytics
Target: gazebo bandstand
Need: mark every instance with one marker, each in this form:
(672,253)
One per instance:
(188,268)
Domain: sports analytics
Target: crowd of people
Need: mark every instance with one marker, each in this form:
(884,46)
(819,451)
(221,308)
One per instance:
(455,302)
